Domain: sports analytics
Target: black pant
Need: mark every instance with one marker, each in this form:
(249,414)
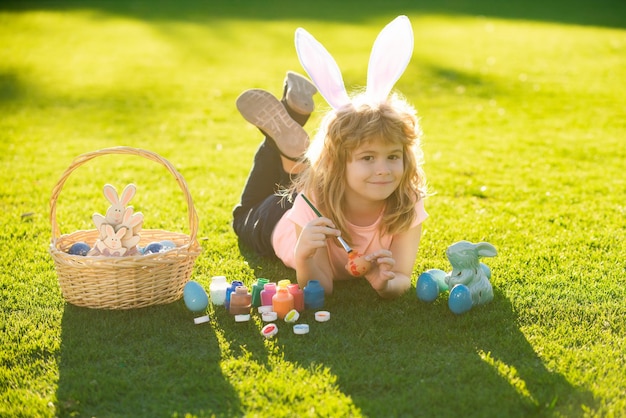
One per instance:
(260,209)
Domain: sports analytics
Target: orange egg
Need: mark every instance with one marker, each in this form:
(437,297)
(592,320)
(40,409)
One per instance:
(357,264)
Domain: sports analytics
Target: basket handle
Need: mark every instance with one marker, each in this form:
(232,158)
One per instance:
(84,158)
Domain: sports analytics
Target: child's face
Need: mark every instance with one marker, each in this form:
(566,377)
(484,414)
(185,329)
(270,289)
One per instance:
(374,171)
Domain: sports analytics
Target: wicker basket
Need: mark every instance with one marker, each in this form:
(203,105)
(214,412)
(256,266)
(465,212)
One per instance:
(124,282)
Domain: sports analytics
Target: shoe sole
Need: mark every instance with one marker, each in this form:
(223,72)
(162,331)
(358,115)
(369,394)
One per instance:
(300,93)
(268,114)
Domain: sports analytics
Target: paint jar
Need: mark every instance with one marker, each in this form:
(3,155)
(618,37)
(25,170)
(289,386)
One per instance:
(282,302)
(217,290)
(313,295)
(229,291)
(298,297)
(269,290)
(256,291)
(283,283)
(240,301)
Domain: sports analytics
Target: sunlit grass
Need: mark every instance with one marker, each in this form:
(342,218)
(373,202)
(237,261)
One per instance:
(523,120)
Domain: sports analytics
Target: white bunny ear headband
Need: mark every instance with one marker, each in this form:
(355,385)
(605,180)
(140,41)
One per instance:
(390,56)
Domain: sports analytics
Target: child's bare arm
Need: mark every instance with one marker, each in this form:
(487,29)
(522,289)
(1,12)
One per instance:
(391,272)
(311,257)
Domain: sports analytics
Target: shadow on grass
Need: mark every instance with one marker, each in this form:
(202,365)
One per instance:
(408,358)
(147,362)
(610,13)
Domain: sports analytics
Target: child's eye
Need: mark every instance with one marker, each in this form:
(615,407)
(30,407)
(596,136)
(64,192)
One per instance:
(395,157)
(367,158)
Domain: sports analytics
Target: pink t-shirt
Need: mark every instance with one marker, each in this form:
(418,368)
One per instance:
(366,239)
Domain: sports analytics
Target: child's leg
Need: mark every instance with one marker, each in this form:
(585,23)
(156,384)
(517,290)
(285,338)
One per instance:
(261,207)
(298,97)
(255,226)
(276,160)
(267,113)
(282,120)
(265,175)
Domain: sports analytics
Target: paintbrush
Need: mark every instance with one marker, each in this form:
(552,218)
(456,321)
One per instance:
(343,243)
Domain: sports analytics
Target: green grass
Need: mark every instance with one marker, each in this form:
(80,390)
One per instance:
(523,111)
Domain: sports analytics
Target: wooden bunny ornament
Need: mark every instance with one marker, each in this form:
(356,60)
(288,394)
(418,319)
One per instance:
(111,244)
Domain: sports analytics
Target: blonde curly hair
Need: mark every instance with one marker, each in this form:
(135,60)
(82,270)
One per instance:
(341,132)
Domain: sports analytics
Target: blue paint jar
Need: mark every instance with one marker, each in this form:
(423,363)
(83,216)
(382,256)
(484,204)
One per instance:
(230,290)
(313,295)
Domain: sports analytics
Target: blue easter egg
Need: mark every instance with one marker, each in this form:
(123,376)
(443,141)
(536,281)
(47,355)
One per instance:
(440,277)
(153,248)
(427,287)
(460,300)
(79,248)
(195,297)
(167,245)
(486,270)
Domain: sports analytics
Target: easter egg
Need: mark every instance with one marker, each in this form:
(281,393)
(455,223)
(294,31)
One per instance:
(167,245)
(153,248)
(195,297)
(460,300)
(357,264)
(79,248)
(427,287)
(486,270)
(440,277)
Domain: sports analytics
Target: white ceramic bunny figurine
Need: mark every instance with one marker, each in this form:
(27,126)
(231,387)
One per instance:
(391,53)
(115,213)
(111,244)
(464,257)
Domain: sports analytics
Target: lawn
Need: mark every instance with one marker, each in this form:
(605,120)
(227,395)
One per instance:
(522,106)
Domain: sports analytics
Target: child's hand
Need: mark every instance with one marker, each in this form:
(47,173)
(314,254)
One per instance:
(381,271)
(313,236)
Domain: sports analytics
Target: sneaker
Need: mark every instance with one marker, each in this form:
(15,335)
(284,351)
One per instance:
(299,93)
(267,113)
